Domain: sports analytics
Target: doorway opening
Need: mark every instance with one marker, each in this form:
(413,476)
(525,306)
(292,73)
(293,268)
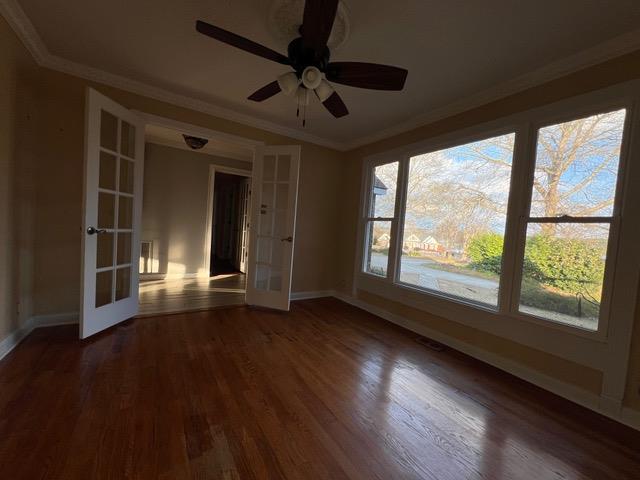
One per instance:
(230,223)
(195,221)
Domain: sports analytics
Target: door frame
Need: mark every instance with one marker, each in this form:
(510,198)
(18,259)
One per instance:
(208,240)
(190,129)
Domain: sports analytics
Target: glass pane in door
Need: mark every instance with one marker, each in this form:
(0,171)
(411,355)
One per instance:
(107,178)
(104,252)
(125,212)
(128,140)
(282,196)
(284,166)
(106,210)
(103,288)
(124,248)
(123,282)
(269,171)
(108,131)
(264,250)
(275,280)
(126,176)
(267,195)
(262,277)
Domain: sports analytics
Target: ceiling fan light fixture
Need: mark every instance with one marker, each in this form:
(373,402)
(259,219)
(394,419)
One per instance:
(288,83)
(311,77)
(195,143)
(324,90)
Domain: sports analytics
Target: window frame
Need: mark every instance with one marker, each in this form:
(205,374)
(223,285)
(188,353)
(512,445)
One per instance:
(366,218)
(524,218)
(452,143)
(525,125)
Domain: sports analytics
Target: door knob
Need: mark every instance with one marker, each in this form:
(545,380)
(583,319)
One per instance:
(287,239)
(93,230)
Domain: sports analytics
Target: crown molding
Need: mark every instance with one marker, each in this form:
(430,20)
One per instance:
(17,18)
(25,30)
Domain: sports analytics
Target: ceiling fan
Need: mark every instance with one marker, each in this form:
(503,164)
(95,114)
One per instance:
(309,56)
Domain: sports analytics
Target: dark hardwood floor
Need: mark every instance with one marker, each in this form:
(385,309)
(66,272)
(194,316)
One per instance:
(324,392)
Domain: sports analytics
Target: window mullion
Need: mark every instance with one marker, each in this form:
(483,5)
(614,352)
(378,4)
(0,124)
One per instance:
(395,249)
(515,229)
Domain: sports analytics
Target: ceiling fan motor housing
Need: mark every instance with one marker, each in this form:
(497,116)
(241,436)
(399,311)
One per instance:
(302,57)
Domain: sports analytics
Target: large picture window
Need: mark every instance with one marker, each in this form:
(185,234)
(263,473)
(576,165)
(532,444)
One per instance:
(543,251)
(455,215)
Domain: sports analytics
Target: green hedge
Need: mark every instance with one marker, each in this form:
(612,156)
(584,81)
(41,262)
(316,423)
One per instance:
(569,265)
(485,252)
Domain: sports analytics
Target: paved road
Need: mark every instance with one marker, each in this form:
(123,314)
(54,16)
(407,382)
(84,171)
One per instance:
(416,271)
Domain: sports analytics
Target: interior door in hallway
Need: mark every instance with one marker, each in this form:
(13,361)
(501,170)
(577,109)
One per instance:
(244,220)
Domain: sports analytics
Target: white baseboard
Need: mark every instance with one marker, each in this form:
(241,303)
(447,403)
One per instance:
(570,392)
(12,340)
(55,319)
(308,295)
(37,321)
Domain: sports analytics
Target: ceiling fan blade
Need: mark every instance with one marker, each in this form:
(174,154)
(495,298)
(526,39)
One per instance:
(335,105)
(265,92)
(317,23)
(240,42)
(367,75)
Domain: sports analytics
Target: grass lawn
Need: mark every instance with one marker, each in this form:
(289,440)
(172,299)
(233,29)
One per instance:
(534,294)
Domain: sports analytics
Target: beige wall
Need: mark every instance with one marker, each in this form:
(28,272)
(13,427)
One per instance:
(17,137)
(615,71)
(174,209)
(59,202)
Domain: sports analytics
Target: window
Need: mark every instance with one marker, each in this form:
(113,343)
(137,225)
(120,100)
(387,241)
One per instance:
(570,219)
(455,215)
(380,216)
(460,228)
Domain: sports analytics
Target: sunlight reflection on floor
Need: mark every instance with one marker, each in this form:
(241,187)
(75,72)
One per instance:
(187,294)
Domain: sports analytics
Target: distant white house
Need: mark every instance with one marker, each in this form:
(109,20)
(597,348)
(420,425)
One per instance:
(413,242)
(383,241)
(430,244)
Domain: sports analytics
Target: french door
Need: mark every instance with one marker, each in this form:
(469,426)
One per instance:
(274,195)
(114,156)
(244,219)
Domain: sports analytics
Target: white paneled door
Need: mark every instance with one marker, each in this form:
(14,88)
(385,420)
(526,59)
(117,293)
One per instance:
(273,218)
(114,156)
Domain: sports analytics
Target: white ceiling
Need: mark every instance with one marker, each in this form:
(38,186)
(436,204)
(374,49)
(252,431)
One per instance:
(453,49)
(216,147)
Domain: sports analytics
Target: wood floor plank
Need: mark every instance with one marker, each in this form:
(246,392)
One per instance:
(325,391)
(190,294)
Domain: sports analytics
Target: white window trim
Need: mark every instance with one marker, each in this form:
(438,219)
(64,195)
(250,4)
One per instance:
(607,349)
